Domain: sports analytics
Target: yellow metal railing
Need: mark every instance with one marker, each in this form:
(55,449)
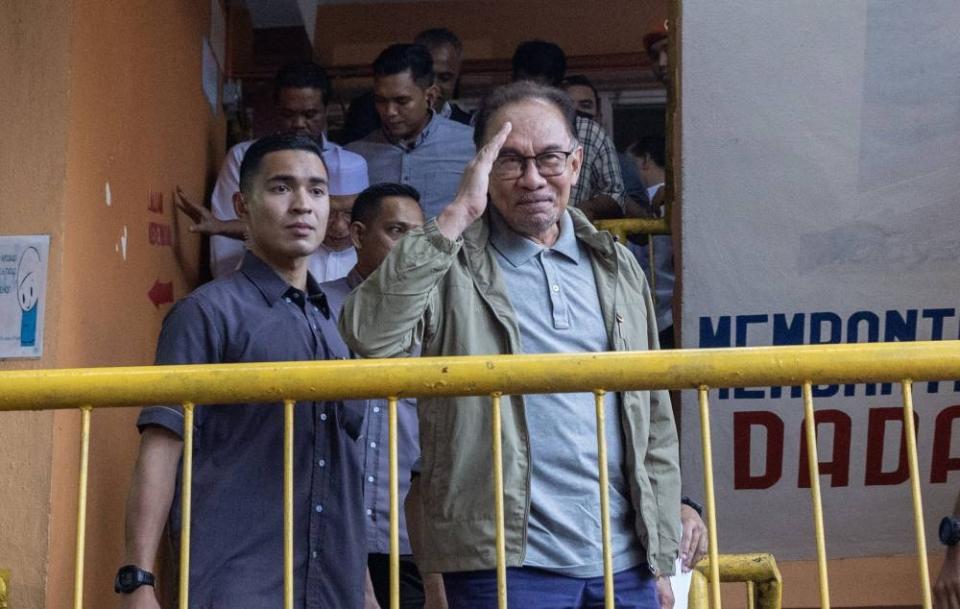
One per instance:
(699,369)
(4,589)
(758,571)
(622,227)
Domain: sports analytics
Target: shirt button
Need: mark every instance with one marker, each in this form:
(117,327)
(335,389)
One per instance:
(376,409)
(556,288)
(314,554)
(319,508)
(322,462)
(323,416)
(370,478)
(369,512)
(373,445)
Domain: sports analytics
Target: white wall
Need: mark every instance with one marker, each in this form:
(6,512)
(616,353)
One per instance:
(821,173)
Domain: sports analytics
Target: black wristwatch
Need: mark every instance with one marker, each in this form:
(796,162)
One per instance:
(698,508)
(949,531)
(131,577)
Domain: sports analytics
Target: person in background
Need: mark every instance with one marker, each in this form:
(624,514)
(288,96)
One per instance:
(301,94)
(584,95)
(381,216)
(649,157)
(414,145)
(599,192)
(447,52)
(269,310)
(336,255)
(656,45)
(946,591)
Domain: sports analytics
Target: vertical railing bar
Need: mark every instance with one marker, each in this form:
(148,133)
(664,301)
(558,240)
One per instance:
(82,506)
(813,463)
(653,268)
(288,503)
(608,592)
(186,485)
(710,498)
(910,430)
(498,503)
(394,505)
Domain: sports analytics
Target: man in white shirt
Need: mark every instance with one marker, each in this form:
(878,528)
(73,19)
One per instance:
(301,93)
(336,255)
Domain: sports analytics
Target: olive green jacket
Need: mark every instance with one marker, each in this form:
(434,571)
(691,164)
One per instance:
(450,295)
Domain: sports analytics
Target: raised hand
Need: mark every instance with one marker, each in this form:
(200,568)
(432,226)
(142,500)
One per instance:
(205,223)
(471,199)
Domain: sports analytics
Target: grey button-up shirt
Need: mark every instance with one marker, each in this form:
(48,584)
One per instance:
(432,163)
(374,436)
(252,315)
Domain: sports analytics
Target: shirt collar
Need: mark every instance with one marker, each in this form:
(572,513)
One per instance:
(446,110)
(424,133)
(273,287)
(518,250)
(653,190)
(353,278)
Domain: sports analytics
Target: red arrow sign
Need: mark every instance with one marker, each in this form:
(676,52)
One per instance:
(161,293)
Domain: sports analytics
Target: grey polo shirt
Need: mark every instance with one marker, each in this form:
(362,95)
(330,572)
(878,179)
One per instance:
(554,296)
(236,560)
(432,163)
(374,438)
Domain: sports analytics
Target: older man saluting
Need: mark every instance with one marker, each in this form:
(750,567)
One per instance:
(527,275)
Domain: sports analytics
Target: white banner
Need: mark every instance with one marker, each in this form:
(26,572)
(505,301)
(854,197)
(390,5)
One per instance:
(821,204)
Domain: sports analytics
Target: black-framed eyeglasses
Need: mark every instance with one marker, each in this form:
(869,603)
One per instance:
(549,164)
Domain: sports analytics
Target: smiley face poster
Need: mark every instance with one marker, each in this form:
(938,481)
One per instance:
(23,294)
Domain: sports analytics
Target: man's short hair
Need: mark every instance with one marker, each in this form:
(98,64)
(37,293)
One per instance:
(540,59)
(580,80)
(437,37)
(250,166)
(398,58)
(303,75)
(520,91)
(654,146)
(650,40)
(368,202)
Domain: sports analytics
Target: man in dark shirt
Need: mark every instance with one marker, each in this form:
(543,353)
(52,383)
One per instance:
(381,216)
(271,309)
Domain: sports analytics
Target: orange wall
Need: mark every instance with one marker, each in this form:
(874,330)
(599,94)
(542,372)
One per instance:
(491,29)
(34,64)
(139,121)
(95,92)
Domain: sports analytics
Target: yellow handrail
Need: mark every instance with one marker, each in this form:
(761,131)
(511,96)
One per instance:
(760,570)
(479,375)
(514,374)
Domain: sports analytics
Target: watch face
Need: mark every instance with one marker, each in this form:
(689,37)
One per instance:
(129,578)
(949,534)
